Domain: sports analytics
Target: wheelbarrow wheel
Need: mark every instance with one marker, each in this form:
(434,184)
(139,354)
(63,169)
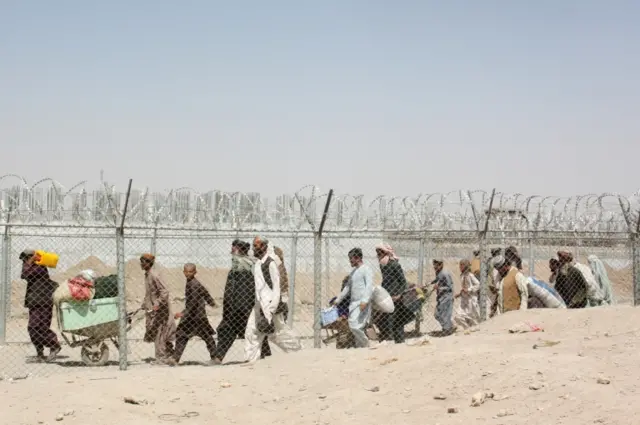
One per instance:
(96,355)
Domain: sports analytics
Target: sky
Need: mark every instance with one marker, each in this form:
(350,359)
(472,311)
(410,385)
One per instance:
(365,97)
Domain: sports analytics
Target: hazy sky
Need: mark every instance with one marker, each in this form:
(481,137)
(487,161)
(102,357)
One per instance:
(371,97)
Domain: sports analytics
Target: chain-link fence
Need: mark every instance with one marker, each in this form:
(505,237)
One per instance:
(195,303)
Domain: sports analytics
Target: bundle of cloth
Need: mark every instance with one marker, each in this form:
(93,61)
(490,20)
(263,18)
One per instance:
(79,288)
(541,295)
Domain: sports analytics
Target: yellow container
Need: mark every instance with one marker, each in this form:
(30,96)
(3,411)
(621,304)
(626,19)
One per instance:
(47,259)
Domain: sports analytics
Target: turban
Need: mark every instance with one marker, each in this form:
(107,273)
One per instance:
(149,258)
(499,262)
(386,248)
(565,257)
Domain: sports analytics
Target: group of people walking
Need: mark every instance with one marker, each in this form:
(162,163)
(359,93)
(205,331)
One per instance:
(571,285)
(253,308)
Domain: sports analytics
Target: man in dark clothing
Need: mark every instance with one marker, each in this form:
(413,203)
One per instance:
(570,282)
(39,301)
(394,282)
(238,301)
(193,320)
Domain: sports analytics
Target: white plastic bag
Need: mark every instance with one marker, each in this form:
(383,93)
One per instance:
(382,300)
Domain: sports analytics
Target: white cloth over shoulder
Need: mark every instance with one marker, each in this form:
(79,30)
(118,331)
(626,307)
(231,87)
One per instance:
(600,273)
(594,295)
(267,300)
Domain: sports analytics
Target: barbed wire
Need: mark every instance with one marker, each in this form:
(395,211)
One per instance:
(47,201)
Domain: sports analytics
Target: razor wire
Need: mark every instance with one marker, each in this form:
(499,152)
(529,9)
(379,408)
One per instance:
(48,202)
(186,226)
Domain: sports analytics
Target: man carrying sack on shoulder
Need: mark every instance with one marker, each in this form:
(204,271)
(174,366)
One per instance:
(267,317)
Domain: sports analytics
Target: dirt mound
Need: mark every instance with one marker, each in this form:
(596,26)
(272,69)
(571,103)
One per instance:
(91,263)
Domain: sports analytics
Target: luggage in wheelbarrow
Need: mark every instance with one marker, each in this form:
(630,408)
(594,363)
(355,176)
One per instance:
(106,287)
(94,321)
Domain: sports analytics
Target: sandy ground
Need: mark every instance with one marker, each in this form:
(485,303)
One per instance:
(557,384)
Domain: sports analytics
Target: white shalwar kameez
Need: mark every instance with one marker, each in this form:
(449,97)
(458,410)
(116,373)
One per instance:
(469,311)
(360,287)
(267,300)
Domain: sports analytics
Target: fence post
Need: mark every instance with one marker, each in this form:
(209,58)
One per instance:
(635,252)
(484,272)
(122,296)
(154,240)
(317,275)
(532,256)
(122,300)
(419,283)
(317,289)
(292,279)
(421,255)
(327,269)
(5,285)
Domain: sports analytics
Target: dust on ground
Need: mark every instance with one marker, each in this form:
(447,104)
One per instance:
(583,371)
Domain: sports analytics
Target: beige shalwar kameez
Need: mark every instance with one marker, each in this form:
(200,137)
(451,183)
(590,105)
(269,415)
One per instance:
(160,324)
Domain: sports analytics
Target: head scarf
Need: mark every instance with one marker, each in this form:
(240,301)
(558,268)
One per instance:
(565,257)
(390,255)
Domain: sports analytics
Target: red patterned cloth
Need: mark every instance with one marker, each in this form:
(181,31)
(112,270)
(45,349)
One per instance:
(80,288)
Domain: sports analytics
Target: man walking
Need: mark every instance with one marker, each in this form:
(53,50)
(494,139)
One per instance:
(39,300)
(193,320)
(444,299)
(267,317)
(160,324)
(238,301)
(513,292)
(360,289)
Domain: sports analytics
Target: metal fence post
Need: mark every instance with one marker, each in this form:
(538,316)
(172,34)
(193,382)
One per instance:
(420,283)
(154,240)
(421,254)
(484,273)
(635,253)
(317,275)
(122,295)
(532,256)
(292,279)
(327,269)
(5,285)
(317,289)
(122,300)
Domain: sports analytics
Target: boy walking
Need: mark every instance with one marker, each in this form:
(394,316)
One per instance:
(193,320)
